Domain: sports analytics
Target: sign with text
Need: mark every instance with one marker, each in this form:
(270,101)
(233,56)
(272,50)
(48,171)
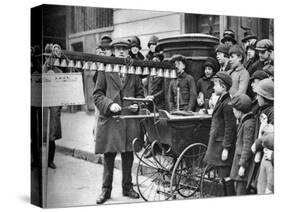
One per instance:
(57,89)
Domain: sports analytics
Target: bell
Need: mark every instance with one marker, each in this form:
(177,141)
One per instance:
(145,71)
(86,66)
(57,62)
(160,72)
(153,72)
(93,67)
(71,64)
(131,70)
(108,68)
(173,74)
(78,64)
(167,73)
(123,70)
(116,68)
(101,67)
(138,71)
(63,63)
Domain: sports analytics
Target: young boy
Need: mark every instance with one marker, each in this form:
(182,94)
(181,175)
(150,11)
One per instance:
(182,90)
(223,57)
(245,138)
(223,128)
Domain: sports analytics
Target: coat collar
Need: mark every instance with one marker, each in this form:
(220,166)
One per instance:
(246,117)
(221,99)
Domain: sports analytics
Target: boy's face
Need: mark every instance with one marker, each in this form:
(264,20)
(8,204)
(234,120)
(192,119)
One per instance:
(152,47)
(260,99)
(235,60)
(135,49)
(254,84)
(218,88)
(221,58)
(264,55)
(251,53)
(120,51)
(237,113)
(180,66)
(209,71)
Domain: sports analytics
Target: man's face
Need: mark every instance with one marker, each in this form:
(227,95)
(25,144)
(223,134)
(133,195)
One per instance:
(254,84)
(180,66)
(135,50)
(228,43)
(218,88)
(264,55)
(235,60)
(250,53)
(107,51)
(221,59)
(120,51)
(260,99)
(208,71)
(152,47)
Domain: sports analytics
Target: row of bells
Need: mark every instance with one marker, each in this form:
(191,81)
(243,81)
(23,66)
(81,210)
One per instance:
(159,72)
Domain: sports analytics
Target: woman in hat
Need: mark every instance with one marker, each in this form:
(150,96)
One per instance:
(152,43)
(135,47)
(228,38)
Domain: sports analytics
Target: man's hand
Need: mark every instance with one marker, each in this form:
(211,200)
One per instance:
(150,98)
(115,108)
(254,148)
(224,154)
(241,171)
(133,108)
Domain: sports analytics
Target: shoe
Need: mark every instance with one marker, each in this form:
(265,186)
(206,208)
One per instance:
(103,197)
(131,193)
(52,165)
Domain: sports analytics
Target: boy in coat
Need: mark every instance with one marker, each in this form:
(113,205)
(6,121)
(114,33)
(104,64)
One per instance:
(245,138)
(223,57)
(223,128)
(115,135)
(182,90)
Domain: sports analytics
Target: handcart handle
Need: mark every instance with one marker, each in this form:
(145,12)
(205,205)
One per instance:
(137,99)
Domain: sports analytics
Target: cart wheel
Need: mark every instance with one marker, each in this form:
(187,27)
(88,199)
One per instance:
(186,175)
(160,153)
(211,184)
(153,181)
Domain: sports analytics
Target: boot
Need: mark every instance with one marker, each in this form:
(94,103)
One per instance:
(52,149)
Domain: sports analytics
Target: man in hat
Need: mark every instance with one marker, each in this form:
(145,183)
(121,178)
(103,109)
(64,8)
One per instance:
(249,38)
(152,43)
(116,135)
(205,86)
(223,57)
(104,47)
(223,128)
(239,75)
(135,45)
(265,51)
(228,37)
(182,90)
(245,138)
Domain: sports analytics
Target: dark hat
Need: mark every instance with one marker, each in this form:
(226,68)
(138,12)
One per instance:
(222,48)
(224,77)
(210,61)
(178,57)
(135,41)
(259,74)
(105,42)
(248,34)
(236,49)
(242,102)
(159,55)
(120,43)
(264,44)
(228,34)
(152,40)
(265,88)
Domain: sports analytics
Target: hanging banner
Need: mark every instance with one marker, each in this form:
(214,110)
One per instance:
(57,89)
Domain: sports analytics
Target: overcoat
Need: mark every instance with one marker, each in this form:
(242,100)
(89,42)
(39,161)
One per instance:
(222,133)
(243,153)
(116,135)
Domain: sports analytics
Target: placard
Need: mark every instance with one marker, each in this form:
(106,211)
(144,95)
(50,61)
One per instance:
(57,89)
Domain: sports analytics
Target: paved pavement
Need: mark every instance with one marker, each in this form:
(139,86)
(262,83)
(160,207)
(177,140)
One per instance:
(76,182)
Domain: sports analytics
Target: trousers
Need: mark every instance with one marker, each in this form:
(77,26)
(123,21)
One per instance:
(108,168)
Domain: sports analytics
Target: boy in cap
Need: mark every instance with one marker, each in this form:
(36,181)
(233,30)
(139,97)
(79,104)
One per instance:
(152,43)
(245,138)
(265,50)
(135,47)
(228,38)
(115,136)
(223,57)
(239,75)
(104,47)
(223,128)
(182,90)
(205,84)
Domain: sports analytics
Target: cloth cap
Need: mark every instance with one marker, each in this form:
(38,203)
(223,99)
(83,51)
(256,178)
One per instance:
(236,49)
(242,102)
(224,77)
(264,44)
(223,48)
(259,74)
(120,43)
(265,88)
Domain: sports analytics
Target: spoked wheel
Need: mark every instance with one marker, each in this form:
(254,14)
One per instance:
(211,184)
(186,175)
(153,181)
(160,153)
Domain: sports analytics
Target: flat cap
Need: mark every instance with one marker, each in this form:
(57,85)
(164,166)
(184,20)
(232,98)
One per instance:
(259,74)
(236,49)
(222,48)
(242,102)
(265,88)
(264,44)
(224,77)
(120,43)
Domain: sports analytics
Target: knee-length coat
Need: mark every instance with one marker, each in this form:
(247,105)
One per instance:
(116,135)
(222,133)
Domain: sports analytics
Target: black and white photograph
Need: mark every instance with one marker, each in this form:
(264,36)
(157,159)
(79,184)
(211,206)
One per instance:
(135,106)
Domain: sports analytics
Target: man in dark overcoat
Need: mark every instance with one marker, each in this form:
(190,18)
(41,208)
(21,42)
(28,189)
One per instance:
(220,149)
(116,135)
